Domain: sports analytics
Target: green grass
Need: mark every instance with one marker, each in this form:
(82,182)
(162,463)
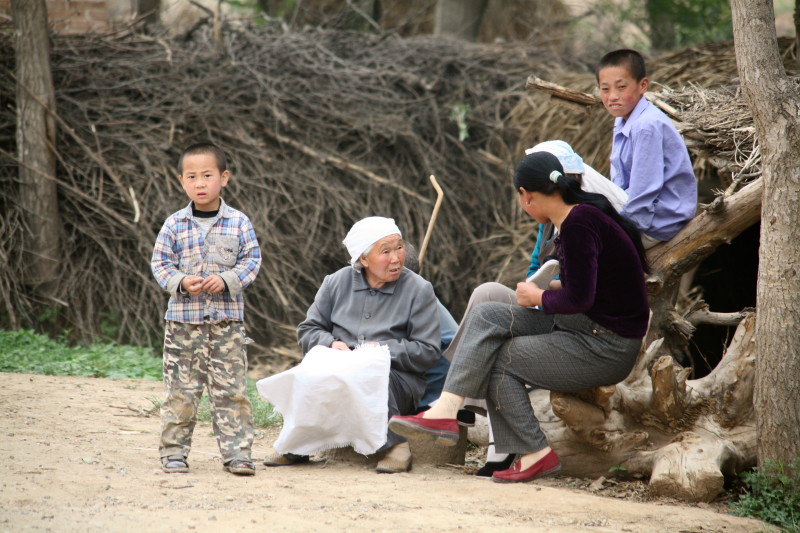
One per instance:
(772,495)
(26,352)
(264,415)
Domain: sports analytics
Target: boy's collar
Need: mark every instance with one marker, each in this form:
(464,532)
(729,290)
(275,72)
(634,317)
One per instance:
(624,126)
(224,210)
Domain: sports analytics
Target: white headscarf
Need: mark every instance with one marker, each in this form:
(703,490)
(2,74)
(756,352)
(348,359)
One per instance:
(572,162)
(367,232)
(593,181)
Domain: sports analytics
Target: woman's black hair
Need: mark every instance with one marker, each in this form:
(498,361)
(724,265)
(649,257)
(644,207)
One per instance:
(534,175)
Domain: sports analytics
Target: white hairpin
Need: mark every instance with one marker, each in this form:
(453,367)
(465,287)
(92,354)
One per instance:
(554,175)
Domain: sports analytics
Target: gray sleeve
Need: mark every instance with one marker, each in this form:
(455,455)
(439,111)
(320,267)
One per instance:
(316,328)
(421,349)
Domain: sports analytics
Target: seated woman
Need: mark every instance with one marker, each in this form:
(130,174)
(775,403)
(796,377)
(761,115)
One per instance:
(542,264)
(377,300)
(587,333)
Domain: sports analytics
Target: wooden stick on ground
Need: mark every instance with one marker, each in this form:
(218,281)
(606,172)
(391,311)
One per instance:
(437,205)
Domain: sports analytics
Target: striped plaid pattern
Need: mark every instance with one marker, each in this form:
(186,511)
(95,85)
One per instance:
(230,249)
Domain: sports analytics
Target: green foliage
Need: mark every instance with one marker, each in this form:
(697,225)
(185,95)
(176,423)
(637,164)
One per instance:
(609,25)
(772,495)
(264,414)
(24,351)
(654,24)
(693,21)
(458,114)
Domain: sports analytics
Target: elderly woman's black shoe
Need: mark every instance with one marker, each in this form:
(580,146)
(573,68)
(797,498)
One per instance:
(286,459)
(493,466)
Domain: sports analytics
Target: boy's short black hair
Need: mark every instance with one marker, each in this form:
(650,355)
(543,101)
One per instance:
(205,148)
(631,59)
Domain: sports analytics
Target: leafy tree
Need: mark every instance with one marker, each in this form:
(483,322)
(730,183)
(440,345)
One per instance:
(680,23)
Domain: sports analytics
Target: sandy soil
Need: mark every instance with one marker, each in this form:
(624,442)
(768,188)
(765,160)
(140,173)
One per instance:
(80,455)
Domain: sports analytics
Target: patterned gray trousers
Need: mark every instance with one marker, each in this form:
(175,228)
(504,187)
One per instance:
(505,347)
(197,356)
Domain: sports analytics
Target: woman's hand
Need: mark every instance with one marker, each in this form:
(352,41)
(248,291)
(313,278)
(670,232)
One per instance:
(555,285)
(528,294)
(339,345)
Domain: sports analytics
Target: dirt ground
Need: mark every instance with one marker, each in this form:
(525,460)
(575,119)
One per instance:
(80,455)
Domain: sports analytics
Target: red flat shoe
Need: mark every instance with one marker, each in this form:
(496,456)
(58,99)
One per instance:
(548,465)
(443,431)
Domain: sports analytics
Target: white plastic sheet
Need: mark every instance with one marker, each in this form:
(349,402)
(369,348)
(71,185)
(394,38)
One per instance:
(332,399)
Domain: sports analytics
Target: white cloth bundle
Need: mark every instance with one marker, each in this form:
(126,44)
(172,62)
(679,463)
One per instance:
(332,399)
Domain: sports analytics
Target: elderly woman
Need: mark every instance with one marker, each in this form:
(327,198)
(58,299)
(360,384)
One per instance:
(377,300)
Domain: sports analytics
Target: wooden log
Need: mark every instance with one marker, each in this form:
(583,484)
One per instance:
(669,400)
(563,93)
(685,435)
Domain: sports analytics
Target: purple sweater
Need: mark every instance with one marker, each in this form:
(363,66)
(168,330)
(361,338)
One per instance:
(601,275)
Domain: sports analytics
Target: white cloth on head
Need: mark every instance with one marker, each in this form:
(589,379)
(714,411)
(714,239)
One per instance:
(367,232)
(593,181)
(332,399)
(572,162)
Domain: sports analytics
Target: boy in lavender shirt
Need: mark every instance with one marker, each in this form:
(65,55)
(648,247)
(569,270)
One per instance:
(649,159)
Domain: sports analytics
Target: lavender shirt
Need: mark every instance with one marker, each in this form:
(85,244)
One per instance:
(649,160)
(601,274)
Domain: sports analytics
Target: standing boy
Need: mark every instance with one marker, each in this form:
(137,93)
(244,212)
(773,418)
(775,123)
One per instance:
(649,159)
(205,255)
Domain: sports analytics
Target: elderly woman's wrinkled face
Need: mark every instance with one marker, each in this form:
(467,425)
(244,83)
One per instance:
(384,262)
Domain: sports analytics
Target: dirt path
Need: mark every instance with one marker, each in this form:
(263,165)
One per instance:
(80,455)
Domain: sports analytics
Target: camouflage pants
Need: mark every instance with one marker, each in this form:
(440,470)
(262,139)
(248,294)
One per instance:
(197,356)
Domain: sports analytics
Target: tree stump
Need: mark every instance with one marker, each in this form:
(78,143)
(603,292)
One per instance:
(685,435)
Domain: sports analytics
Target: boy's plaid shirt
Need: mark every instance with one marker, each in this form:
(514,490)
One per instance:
(230,249)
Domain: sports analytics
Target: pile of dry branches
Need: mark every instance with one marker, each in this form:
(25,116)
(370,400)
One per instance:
(322,128)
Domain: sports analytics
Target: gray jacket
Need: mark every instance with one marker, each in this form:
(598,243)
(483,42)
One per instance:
(402,315)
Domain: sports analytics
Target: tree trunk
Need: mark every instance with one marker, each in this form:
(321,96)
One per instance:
(459,18)
(775,105)
(36,140)
(797,33)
